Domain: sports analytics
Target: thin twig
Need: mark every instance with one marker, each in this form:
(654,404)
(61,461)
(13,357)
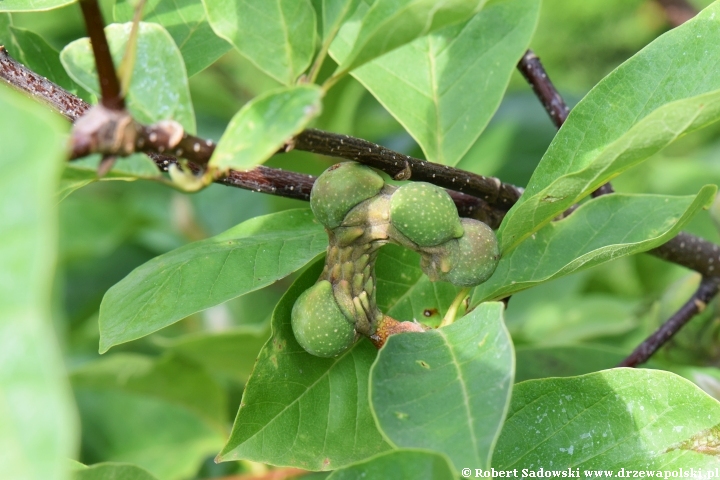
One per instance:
(111,96)
(535,74)
(696,304)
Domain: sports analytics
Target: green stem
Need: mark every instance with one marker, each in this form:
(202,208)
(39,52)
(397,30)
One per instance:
(450,315)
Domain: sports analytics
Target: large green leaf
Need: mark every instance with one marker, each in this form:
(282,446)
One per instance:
(415,464)
(603,229)
(446,390)
(670,88)
(387,25)
(277,36)
(159,86)
(112,471)
(202,274)
(37,421)
(622,418)
(301,410)
(32,5)
(164,415)
(444,87)
(264,124)
(186,21)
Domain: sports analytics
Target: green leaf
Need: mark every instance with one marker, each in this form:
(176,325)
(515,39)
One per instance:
(446,390)
(602,229)
(186,21)
(231,353)
(670,88)
(334,13)
(564,361)
(278,36)
(35,53)
(159,86)
(112,471)
(32,5)
(264,124)
(37,418)
(164,415)
(301,410)
(621,418)
(206,273)
(415,464)
(387,25)
(80,173)
(431,85)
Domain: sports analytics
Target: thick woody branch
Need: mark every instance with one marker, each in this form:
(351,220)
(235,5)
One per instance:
(111,96)
(686,250)
(696,304)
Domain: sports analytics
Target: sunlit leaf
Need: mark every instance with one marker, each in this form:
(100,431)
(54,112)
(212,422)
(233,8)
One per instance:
(264,124)
(605,421)
(446,390)
(206,273)
(37,418)
(603,229)
(669,88)
(159,87)
(278,36)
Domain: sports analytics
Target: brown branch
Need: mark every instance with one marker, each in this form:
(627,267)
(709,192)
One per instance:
(111,96)
(535,74)
(682,250)
(696,304)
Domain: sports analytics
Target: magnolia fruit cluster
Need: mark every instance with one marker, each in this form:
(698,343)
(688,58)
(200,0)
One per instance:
(361,213)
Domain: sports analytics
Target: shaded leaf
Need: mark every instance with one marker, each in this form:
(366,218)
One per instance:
(669,88)
(603,229)
(405,293)
(564,361)
(301,410)
(334,13)
(415,464)
(186,21)
(37,418)
(206,273)
(622,418)
(446,390)
(231,353)
(264,124)
(80,173)
(164,415)
(387,25)
(278,37)
(112,471)
(444,87)
(32,5)
(159,86)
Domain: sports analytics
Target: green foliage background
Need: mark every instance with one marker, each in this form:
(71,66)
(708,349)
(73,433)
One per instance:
(165,401)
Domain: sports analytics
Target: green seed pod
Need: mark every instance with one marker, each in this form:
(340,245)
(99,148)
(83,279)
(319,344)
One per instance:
(467,261)
(425,214)
(340,188)
(318,323)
